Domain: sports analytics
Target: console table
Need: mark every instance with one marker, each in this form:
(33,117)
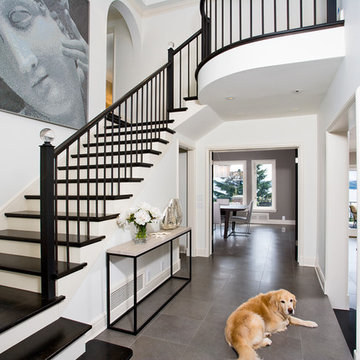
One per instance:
(173,282)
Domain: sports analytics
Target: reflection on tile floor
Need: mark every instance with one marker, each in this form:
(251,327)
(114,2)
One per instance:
(191,327)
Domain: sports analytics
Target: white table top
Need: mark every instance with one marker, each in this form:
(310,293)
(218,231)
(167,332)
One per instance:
(153,240)
(233,207)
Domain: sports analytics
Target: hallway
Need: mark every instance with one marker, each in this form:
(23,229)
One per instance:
(191,327)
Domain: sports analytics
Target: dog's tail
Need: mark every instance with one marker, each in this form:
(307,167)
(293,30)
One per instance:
(244,350)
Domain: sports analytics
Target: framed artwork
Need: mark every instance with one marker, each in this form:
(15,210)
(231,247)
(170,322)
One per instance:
(44,60)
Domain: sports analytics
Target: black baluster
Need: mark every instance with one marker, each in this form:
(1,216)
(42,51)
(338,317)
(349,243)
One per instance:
(331,11)
(170,80)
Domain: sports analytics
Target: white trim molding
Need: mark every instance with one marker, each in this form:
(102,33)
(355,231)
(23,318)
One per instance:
(254,164)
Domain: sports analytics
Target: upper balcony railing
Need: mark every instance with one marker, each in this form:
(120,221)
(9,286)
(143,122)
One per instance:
(228,23)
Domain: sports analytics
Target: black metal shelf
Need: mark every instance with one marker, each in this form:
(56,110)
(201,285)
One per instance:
(145,309)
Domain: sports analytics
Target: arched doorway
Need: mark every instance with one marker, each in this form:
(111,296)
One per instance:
(122,41)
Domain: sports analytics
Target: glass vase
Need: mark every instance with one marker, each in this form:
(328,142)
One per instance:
(140,237)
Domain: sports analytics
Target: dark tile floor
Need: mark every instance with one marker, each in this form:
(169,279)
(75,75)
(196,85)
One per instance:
(191,327)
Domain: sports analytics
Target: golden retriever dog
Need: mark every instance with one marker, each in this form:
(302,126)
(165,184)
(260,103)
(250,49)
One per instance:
(250,325)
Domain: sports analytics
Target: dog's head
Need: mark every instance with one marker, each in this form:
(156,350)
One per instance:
(284,302)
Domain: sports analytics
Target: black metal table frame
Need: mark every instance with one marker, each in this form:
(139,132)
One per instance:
(110,325)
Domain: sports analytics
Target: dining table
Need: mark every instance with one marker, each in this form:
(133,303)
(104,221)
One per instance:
(226,211)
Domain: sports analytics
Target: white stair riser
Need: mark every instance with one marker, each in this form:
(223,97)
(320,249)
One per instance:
(19,332)
(108,173)
(147,158)
(112,206)
(129,147)
(20,281)
(34,225)
(98,189)
(33,250)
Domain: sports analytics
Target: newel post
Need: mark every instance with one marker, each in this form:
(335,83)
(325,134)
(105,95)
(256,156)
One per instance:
(47,215)
(170,80)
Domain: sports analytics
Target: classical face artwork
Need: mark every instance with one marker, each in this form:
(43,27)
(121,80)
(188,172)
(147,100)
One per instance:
(43,61)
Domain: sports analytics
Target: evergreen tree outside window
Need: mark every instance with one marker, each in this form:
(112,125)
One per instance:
(264,184)
(229,181)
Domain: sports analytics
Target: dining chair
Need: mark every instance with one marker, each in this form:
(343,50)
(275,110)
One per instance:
(244,218)
(217,218)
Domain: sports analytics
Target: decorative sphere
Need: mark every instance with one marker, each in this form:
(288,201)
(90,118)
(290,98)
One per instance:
(47,135)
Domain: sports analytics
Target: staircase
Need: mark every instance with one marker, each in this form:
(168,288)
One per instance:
(20,243)
(82,183)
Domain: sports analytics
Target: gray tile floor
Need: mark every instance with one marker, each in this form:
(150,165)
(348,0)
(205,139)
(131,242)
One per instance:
(191,327)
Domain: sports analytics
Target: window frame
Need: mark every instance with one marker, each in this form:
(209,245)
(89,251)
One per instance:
(235,162)
(254,164)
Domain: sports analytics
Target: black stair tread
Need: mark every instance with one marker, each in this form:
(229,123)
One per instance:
(84,197)
(47,342)
(101,166)
(100,180)
(32,266)
(190,98)
(117,153)
(34,237)
(178,109)
(62,216)
(98,349)
(17,305)
(126,142)
(109,117)
(142,130)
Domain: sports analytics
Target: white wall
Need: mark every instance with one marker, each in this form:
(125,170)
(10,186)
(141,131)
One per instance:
(20,153)
(264,134)
(342,89)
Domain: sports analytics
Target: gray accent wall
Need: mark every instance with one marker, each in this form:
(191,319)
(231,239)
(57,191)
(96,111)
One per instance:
(285,177)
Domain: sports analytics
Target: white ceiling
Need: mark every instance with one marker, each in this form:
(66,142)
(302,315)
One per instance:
(272,91)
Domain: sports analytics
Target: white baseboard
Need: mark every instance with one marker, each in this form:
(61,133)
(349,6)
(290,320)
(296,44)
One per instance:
(320,276)
(201,253)
(307,262)
(274,222)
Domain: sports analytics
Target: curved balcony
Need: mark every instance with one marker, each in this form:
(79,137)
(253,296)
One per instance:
(250,61)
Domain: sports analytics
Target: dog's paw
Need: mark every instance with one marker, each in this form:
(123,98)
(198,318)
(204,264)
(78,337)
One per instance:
(311,324)
(267,342)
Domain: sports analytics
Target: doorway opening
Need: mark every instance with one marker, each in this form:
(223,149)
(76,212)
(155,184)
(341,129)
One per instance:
(266,180)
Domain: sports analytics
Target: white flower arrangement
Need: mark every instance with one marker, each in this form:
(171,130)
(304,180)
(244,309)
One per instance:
(141,216)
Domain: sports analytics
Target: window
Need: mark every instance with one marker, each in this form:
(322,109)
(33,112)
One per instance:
(264,184)
(229,181)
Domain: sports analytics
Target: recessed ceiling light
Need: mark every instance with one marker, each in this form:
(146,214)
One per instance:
(229,98)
